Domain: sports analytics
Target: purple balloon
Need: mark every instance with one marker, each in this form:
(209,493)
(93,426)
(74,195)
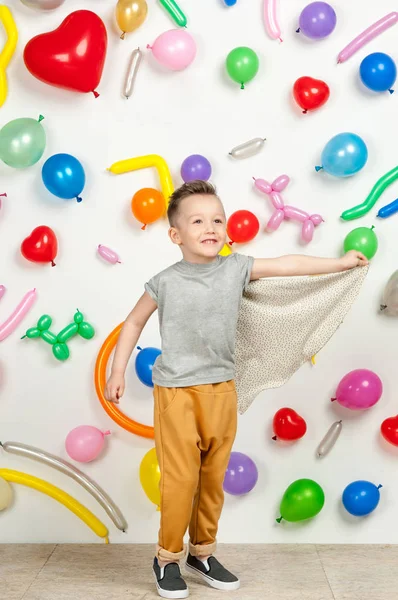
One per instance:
(194,167)
(241,475)
(317,20)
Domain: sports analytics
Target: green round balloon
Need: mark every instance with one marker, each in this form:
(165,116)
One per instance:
(362,239)
(22,143)
(242,65)
(302,500)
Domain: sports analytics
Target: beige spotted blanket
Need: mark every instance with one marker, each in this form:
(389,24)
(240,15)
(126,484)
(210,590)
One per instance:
(283,322)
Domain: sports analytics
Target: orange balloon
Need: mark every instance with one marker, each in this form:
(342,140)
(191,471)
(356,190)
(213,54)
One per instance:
(120,418)
(148,205)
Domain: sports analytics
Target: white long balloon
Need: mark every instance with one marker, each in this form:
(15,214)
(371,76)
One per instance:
(64,467)
(43,4)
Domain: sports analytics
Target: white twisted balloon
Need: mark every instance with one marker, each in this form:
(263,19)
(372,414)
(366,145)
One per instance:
(43,4)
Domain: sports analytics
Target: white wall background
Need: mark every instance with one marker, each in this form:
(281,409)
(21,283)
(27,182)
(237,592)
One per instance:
(177,114)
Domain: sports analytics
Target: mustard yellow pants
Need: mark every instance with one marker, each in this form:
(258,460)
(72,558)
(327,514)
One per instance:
(195,428)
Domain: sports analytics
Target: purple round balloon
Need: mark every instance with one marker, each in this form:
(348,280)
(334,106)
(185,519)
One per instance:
(317,20)
(241,475)
(194,167)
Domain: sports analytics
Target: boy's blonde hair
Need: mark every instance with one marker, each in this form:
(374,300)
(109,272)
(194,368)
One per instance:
(191,188)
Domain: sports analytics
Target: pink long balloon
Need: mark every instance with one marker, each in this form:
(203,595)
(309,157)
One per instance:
(108,254)
(270,20)
(17,315)
(366,36)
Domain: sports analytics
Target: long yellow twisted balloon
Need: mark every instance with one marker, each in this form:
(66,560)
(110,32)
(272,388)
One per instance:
(9,47)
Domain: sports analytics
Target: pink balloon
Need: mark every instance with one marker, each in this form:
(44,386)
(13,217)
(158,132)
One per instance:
(366,36)
(280,183)
(174,49)
(270,20)
(2,291)
(263,186)
(292,212)
(17,314)
(275,220)
(109,255)
(277,200)
(307,231)
(359,389)
(5,195)
(85,443)
(316,219)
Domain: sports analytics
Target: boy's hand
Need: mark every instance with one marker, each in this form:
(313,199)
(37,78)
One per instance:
(114,388)
(353,259)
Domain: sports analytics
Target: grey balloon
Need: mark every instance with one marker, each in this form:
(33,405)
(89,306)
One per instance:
(390,296)
(132,70)
(247,149)
(64,467)
(329,439)
(43,4)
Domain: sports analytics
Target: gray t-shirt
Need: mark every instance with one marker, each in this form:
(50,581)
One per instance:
(198,307)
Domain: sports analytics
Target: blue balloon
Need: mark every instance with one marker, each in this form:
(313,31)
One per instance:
(144,364)
(63,176)
(361,497)
(344,155)
(388,210)
(230,2)
(378,72)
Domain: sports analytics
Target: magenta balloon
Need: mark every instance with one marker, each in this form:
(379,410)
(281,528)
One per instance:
(359,389)
(241,475)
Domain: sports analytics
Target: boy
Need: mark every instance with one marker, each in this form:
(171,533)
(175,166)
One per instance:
(198,300)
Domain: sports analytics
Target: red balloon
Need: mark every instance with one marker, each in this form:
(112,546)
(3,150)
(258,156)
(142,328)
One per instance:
(310,93)
(41,246)
(389,430)
(288,425)
(242,226)
(72,56)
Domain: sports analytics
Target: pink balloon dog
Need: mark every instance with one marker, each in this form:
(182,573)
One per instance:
(359,389)
(282,211)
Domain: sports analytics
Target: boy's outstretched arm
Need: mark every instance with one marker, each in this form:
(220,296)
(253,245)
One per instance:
(286,266)
(128,338)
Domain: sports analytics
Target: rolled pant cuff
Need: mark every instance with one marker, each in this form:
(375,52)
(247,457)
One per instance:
(165,555)
(204,550)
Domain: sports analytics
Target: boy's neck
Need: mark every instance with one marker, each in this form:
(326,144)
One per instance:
(198,260)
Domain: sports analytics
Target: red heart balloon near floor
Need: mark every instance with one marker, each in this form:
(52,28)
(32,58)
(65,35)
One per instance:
(389,430)
(72,56)
(310,93)
(288,425)
(41,246)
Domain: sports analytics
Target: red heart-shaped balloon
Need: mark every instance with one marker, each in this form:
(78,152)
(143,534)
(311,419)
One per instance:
(389,430)
(288,425)
(73,55)
(41,246)
(310,93)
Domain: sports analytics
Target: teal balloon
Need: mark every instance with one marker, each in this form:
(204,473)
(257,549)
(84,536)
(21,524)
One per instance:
(344,155)
(22,143)
(302,500)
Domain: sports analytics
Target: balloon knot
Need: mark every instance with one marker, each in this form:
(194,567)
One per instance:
(274,438)
(279,520)
(4,194)
(78,199)
(40,118)
(280,39)
(96,94)
(242,87)
(139,348)
(391,91)
(107,432)
(230,243)
(149,47)
(383,306)
(123,35)
(318,168)
(371,229)
(298,30)
(143,227)
(23,337)
(338,61)
(379,487)
(53,264)
(333,399)
(305,111)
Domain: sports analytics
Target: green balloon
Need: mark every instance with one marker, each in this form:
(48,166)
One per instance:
(67,332)
(86,330)
(44,322)
(32,333)
(242,65)
(22,143)
(48,337)
(302,500)
(61,351)
(362,239)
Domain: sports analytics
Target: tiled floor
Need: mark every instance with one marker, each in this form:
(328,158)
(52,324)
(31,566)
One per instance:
(122,572)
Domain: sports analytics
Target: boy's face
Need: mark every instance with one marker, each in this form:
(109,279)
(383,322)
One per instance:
(200,227)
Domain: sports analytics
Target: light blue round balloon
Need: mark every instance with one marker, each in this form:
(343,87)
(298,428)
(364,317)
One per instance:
(344,155)
(63,175)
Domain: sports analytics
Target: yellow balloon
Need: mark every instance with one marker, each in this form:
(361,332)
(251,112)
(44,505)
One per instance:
(150,476)
(9,47)
(225,250)
(47,488)
(143,162)
(6,494)
(130,14)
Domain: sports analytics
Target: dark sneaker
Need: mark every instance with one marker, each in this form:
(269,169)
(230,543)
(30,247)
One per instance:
(213,573)
(169,582)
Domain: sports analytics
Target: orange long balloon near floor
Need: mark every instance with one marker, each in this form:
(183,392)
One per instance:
(100,381)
